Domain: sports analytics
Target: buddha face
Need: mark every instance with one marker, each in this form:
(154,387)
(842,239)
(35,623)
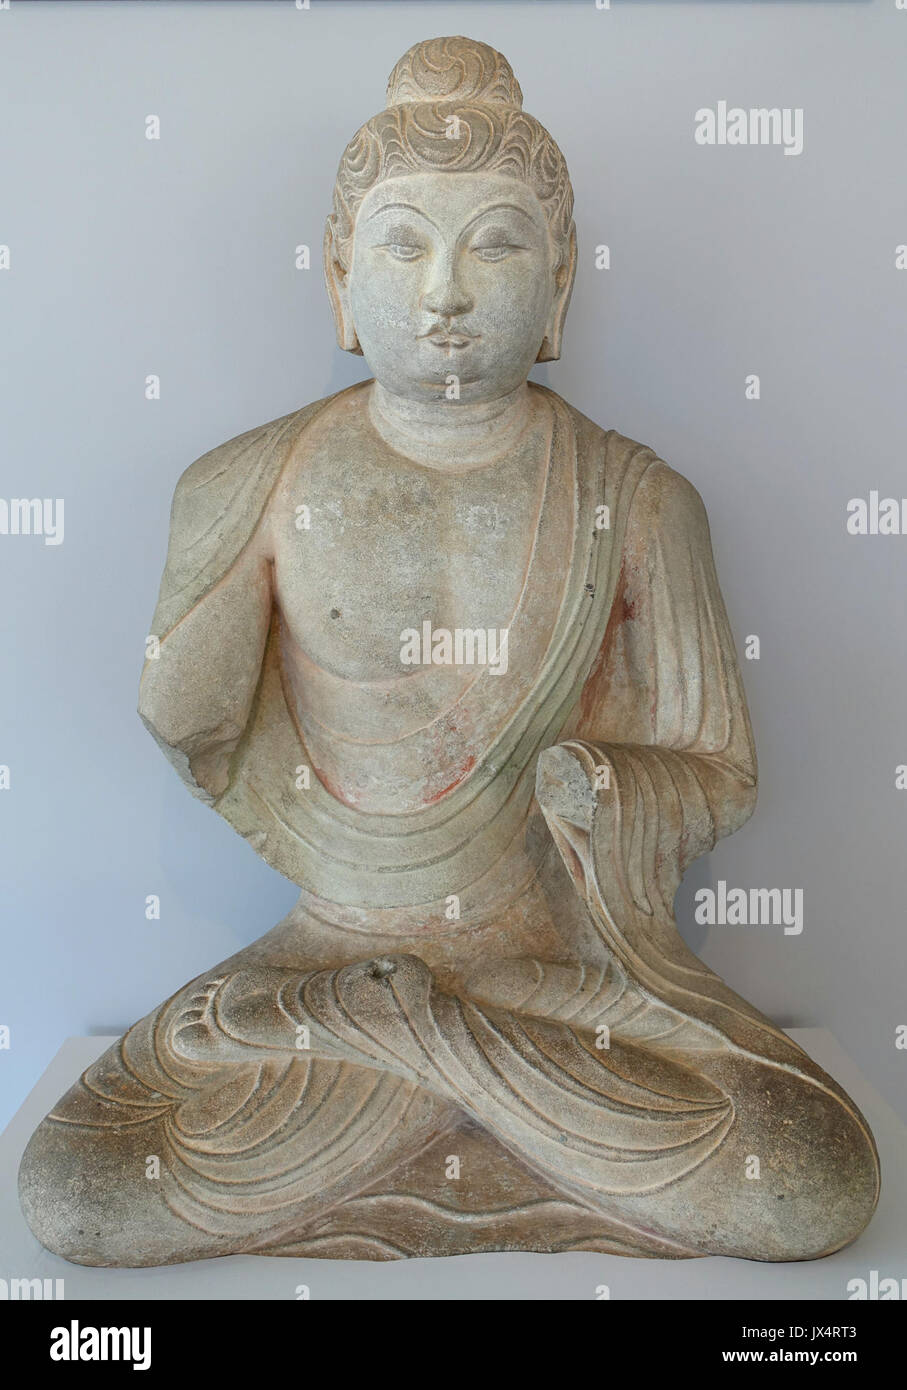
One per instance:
(453,276)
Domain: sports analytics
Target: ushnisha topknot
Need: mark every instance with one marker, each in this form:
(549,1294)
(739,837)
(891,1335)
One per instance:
(453,106)
(453,69)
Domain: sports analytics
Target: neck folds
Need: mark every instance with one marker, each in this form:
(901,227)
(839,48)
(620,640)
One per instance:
(450,435)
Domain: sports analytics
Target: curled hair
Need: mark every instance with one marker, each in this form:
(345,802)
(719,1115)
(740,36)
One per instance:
(433,82)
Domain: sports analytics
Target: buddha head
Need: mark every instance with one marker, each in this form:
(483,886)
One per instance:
(450,251)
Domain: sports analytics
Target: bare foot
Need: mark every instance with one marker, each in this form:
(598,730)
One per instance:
(358,1013)
(241,1018)
(195,1033)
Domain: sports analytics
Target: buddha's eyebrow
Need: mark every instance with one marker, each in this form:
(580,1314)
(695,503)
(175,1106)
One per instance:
(499,207)
(399,207)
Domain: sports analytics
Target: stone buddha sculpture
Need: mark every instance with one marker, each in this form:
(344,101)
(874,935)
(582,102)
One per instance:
(454,659)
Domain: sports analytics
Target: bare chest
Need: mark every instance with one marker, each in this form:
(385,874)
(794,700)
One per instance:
(370,548)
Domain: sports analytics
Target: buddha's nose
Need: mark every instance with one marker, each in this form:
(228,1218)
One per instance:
(446,295)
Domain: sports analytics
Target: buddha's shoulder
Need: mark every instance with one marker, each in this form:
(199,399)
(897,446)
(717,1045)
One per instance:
(592,435)
(658,489)
(239,456)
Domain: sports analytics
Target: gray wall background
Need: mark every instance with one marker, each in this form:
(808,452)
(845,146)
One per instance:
(176,257)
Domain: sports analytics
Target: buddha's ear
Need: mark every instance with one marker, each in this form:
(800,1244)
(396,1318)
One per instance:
(337,279)
(565,274)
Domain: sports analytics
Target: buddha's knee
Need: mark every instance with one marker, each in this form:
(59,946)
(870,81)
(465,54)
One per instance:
(90,1195)
(800,1173)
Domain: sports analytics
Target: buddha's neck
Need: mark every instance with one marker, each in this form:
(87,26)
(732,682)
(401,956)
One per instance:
(449,434)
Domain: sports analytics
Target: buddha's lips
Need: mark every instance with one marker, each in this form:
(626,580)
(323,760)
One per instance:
(444,338)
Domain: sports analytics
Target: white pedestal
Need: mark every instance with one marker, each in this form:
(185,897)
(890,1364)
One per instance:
(883,1246)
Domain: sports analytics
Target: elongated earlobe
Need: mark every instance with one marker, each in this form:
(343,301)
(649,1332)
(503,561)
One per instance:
(565,275)
(337,281)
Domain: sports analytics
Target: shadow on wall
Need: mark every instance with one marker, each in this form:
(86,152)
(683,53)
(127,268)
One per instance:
(699,875)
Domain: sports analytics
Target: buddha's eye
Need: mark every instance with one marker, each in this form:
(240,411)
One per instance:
(401,251)
(494,253)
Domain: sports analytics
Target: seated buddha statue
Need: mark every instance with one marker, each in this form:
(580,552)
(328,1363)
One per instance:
(453,658)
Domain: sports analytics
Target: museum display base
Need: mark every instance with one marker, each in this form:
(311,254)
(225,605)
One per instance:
(882,1248)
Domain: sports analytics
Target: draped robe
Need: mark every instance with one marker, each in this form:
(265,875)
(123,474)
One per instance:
(634,672)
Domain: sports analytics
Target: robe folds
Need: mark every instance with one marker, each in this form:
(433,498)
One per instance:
(639,673)
(639,663)
(633,673)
